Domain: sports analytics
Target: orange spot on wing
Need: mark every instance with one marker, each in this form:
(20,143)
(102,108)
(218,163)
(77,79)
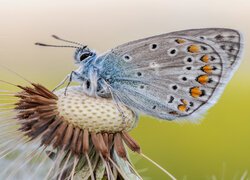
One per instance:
(194,49)
(195,92)
(180,41)
(182,107)
(205,58)
(207,69)
(203,79)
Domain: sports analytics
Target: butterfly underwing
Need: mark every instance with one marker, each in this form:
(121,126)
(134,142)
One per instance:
(175,75)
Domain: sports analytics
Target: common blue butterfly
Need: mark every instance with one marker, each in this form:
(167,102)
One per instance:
(169,76)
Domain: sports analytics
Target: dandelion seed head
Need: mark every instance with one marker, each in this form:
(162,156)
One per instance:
(94,114)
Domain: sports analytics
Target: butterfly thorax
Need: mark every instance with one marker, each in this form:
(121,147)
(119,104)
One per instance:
(88,74)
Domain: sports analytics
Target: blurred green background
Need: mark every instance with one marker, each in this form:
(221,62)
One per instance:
(217,148)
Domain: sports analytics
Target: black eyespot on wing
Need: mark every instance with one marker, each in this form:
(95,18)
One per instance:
(223,47)
(212,58)
(203,92)
(204,48)
(126,57)
(153,46)
(171,99)
(210,80)
(174,87)
(218,37)
(189,60)
(184,78)
(139,74)
(141,86)
(173,51)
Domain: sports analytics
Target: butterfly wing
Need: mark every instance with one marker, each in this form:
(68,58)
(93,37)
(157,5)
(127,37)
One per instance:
(175,75)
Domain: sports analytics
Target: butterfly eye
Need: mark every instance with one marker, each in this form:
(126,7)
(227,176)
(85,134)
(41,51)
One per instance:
(84,56)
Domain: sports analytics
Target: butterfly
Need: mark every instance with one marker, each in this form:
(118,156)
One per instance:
(169,76)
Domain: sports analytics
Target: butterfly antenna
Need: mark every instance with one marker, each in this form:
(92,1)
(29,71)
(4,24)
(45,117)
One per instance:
(64,40)
(157,165)
(51,45)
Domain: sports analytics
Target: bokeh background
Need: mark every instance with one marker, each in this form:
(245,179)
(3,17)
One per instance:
(217,148)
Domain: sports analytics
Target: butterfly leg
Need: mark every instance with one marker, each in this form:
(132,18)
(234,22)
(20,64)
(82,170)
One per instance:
(70,80)
(61,83)
(73,76)
(115,98)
